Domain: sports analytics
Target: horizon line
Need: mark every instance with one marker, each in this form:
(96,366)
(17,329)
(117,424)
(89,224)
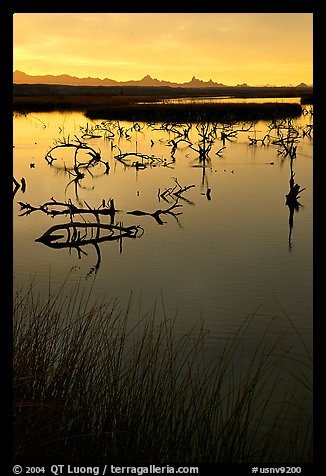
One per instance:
(193,79)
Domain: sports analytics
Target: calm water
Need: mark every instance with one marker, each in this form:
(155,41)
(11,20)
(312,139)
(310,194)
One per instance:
(228,99)
(226,247)
(223,250)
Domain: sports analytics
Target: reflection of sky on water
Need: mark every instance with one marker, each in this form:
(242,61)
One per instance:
(222,259)
(227,99)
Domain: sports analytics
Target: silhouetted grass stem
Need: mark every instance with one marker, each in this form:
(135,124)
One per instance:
(95,384)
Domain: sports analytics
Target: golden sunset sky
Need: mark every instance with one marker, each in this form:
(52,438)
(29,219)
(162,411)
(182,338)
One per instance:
(229,48)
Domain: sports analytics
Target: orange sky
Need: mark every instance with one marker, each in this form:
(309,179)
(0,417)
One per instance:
(230,48)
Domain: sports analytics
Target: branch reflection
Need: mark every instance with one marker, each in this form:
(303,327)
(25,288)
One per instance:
(79,234)
(292,201)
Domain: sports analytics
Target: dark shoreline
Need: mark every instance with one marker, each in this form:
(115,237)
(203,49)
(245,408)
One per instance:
(126,103)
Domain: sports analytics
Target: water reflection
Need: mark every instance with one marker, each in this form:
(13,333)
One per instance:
(109,151)
(83,159)
(288,138)
(76,235)
(79,234)
(218,256)
(75,157)
(144,162)
(224,99)
(292,197)
(54,207)
(157,214)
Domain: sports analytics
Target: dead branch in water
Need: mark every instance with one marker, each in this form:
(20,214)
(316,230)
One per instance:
(95,132)
(75,235)
(175,191)
(219,151)
(255,141)
(286,137)
(18,185)
(54,208)
(145,159)
(75,238)
(78,145)
(204,145)
(157,214)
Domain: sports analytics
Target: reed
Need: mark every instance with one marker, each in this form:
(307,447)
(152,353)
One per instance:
(94,383)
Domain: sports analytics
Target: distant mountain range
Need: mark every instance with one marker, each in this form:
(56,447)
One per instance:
(19,77)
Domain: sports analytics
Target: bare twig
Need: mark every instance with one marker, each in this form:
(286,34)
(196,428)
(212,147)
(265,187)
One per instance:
(157,214)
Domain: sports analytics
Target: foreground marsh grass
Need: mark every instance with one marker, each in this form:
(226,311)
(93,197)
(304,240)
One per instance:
(90,385)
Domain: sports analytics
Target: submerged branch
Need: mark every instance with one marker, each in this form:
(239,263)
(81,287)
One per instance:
(157,214)
(54,208)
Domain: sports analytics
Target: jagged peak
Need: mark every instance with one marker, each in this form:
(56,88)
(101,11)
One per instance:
(20,77)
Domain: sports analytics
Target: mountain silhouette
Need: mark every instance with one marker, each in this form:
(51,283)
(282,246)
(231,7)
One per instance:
(19,77)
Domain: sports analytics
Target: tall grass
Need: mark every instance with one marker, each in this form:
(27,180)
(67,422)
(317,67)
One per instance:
(98,384)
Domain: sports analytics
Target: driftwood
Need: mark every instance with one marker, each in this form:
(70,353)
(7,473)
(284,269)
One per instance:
(54,208)
(255,141)
(172,192)
(173,127)
(77,170)
(145,159)
(286,137)
(93,132)
(294,193)
(228,132)
(288,147)
(157,214)
(77,234)
(208,135)
(292,197)
(175,191)
(219,151)
(18,185)
(78,145)
(307,131)
(81,234)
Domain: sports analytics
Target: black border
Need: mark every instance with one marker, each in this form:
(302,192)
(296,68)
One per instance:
(6,32)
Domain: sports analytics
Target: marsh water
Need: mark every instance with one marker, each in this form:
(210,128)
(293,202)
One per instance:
(229,99)
(225,249)
(209,237)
